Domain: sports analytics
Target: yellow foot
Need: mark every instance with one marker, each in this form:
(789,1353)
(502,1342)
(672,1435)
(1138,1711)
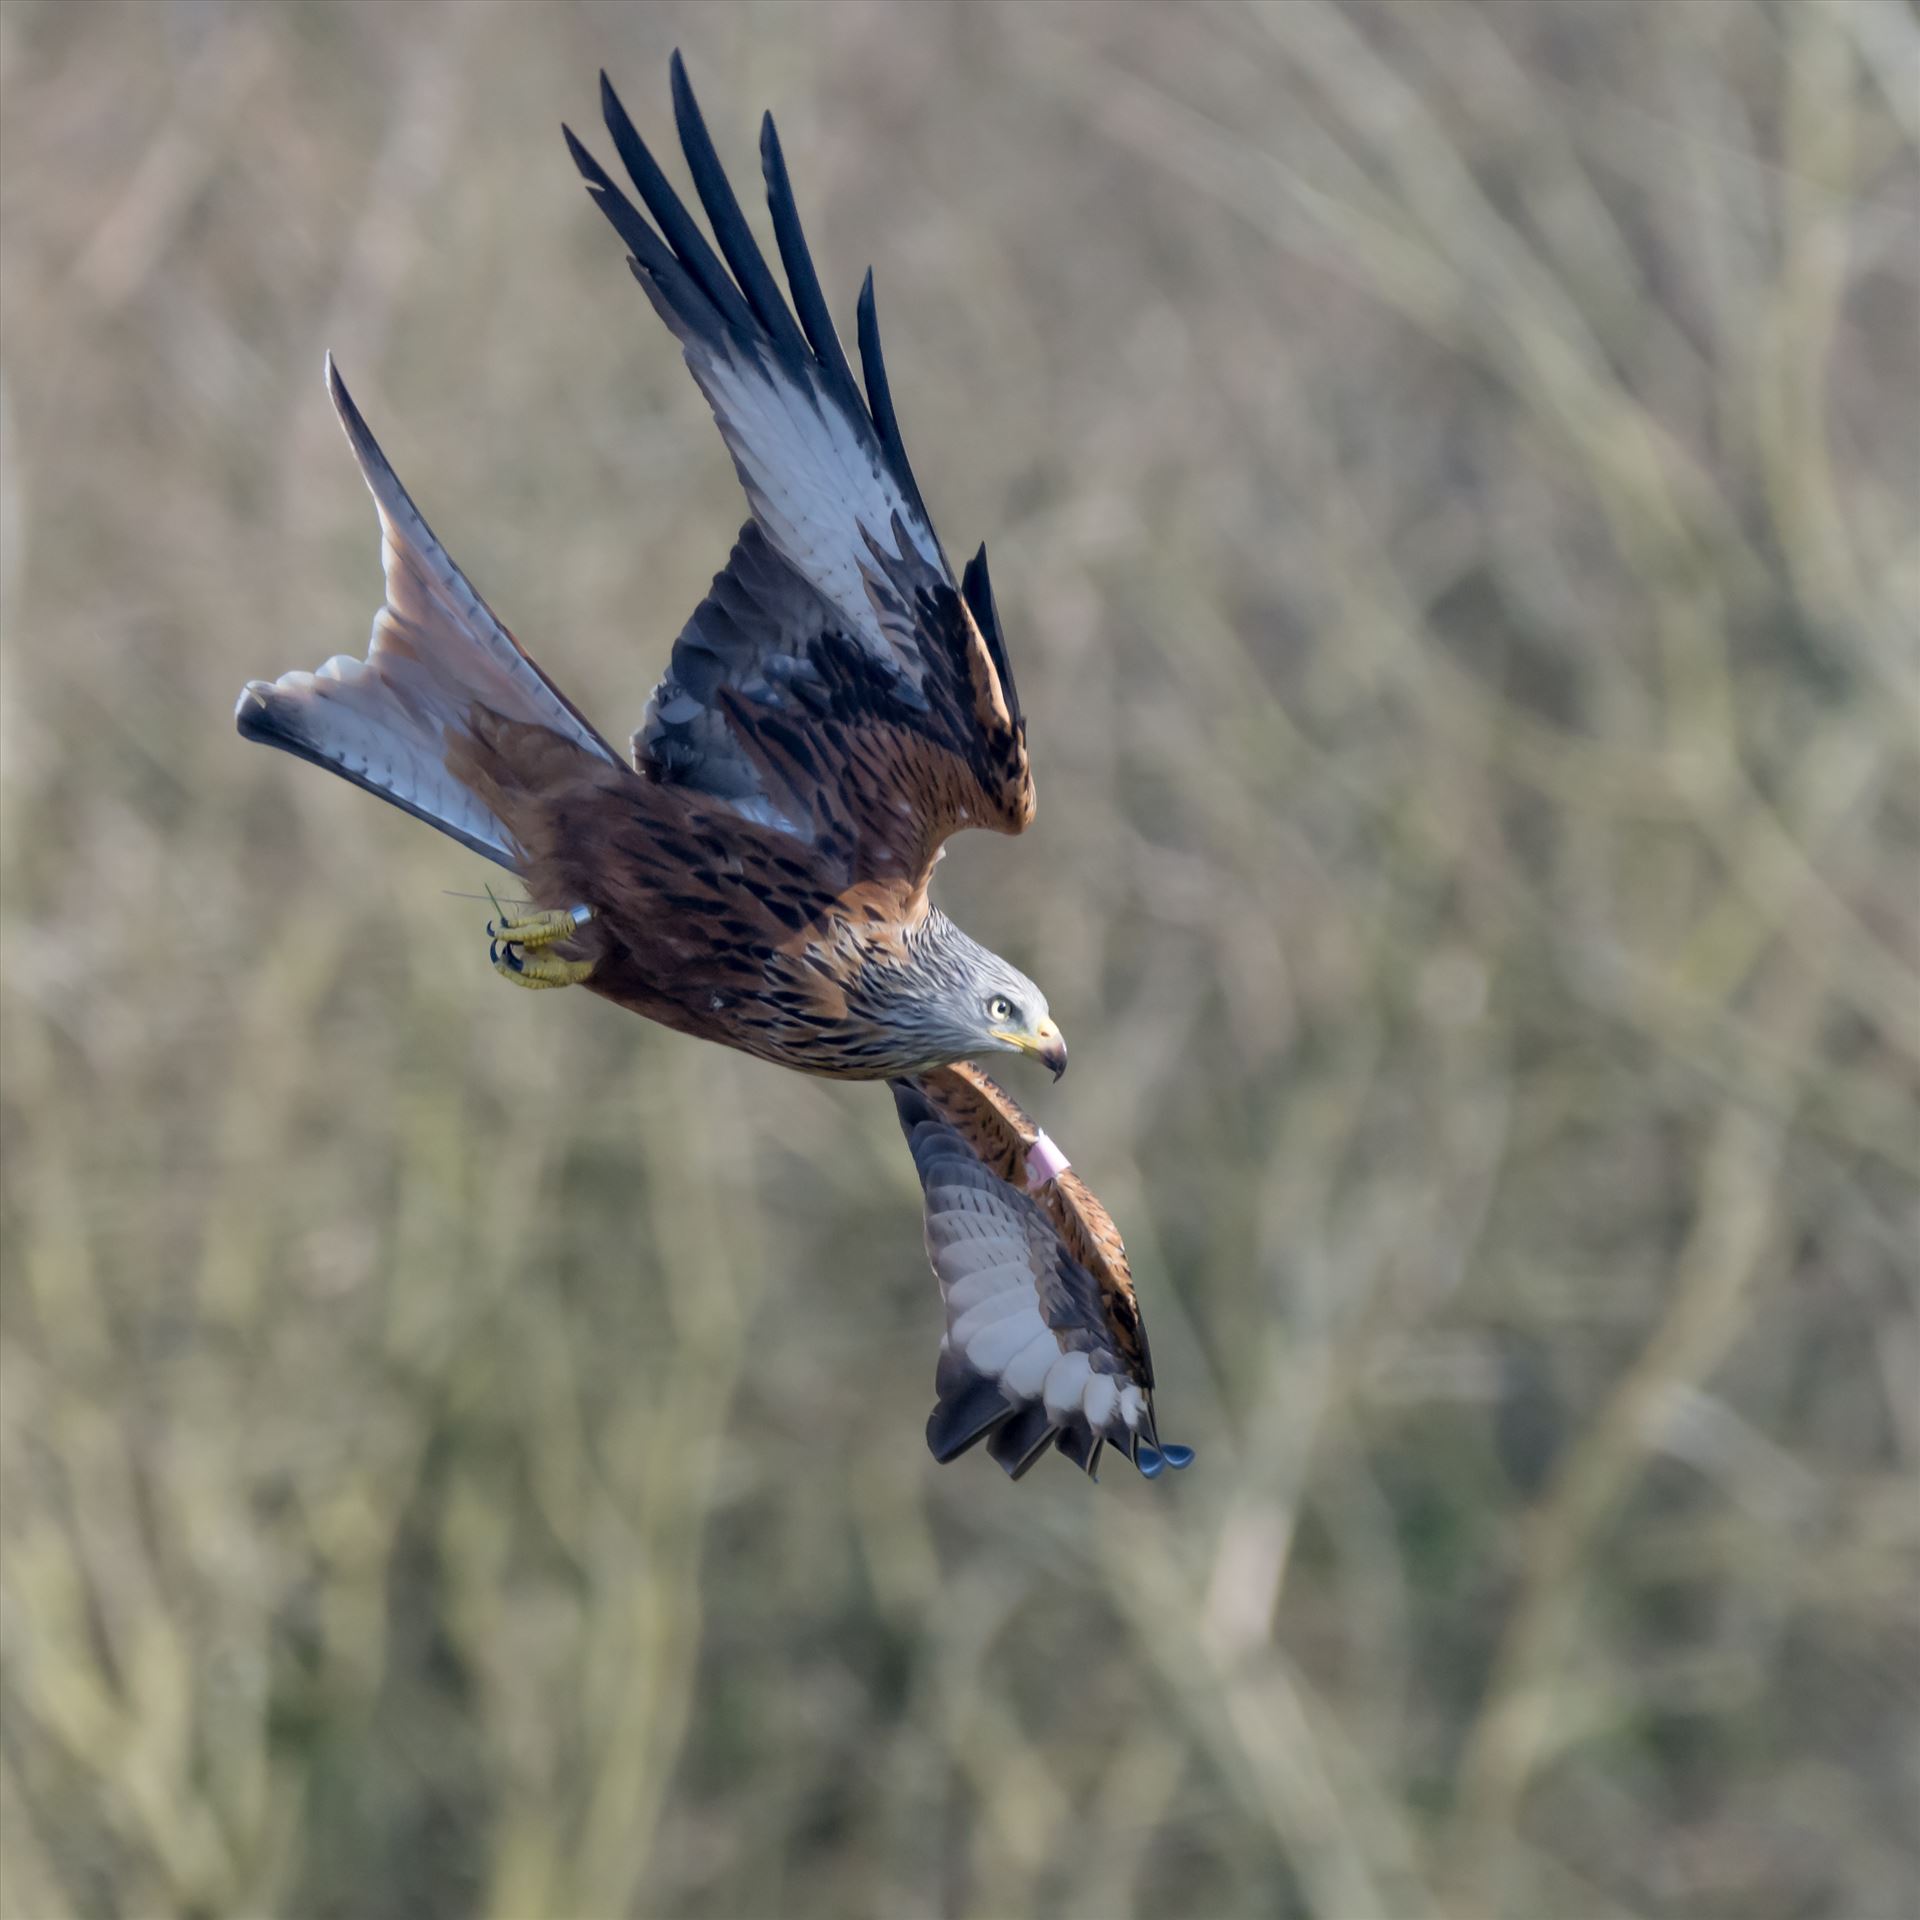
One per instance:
(514,947)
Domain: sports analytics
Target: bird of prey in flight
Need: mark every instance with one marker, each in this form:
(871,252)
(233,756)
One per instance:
(757,872)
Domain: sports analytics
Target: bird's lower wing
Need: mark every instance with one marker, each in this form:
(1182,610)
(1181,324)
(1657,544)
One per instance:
(1044,1344)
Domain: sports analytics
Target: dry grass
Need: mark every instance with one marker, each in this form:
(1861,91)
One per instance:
(1451,473)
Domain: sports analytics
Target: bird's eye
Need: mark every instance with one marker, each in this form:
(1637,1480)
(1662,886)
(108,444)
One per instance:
(1000,1008)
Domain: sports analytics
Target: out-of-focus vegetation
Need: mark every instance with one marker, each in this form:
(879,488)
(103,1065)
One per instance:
(1451,478)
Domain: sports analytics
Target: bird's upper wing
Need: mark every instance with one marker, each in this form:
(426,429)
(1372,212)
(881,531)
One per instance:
(836,681)
(1044,1344)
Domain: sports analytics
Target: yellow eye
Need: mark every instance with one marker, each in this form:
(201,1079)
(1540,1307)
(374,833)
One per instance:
(1000,1008)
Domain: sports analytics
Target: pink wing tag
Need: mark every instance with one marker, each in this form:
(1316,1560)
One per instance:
(1044,1161)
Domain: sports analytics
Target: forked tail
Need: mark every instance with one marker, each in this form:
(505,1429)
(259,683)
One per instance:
(446,717)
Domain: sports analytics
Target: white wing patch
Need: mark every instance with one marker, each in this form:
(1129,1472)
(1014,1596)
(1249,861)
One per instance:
(818,492)
(987,1242)
(1038,1353)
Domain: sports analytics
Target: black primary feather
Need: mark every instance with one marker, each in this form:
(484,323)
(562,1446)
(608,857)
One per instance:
(797,258)
(730,225)
(978,589)
(873,365)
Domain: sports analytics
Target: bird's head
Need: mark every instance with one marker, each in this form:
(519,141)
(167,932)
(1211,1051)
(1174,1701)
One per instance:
(983,1004)
(1016,1020)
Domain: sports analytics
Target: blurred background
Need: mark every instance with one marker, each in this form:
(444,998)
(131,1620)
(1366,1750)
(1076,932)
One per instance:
(1451,473)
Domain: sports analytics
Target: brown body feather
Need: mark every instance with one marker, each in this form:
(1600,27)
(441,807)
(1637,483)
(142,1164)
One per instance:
(711,924)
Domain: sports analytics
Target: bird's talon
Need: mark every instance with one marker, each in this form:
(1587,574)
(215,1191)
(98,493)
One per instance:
(514,947)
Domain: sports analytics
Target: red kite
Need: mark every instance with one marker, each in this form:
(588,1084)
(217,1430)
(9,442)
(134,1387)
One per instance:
(837,706)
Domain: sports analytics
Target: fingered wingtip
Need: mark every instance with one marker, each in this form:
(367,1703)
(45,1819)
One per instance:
(1153,1457)
(249,709)
(365,449)
(584,162)
(686,108)
(613,112)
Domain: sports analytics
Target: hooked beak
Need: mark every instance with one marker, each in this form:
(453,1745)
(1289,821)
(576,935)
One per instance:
(1046,1043)
(1052,1050)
